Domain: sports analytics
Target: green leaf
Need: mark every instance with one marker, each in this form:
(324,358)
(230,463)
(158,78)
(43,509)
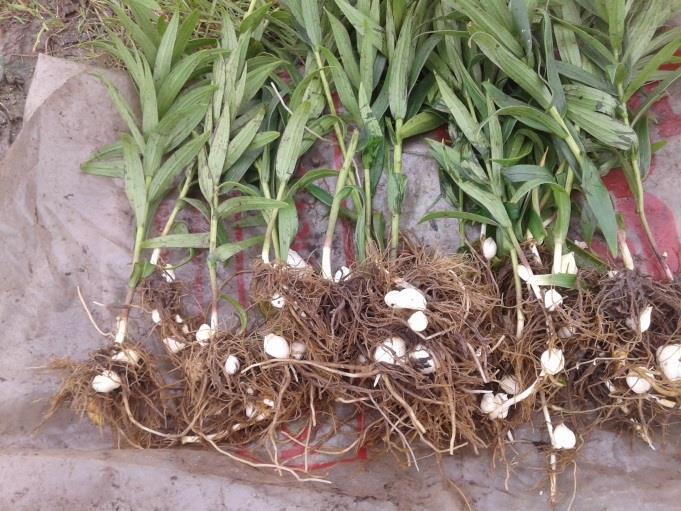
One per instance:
(487,200)
(419,124)
(655,95)
(243,139)
(399,68)
(124,110)
(551,71)
(580,75)
(565,280)
(600,203)
(490,26)
(343,86)
(143,40)
(228,250)
(240,204)
(458,215)
(291,142)
(533,118)
(171,168)
(219,145)
(327,199)
(528,186)
(616,11)
(309,177)
(184,34)
(516,69)
(363,24)
(287,220)
(194,240)
(312,22)
(463,119)
(164,55)
(607,130)
(252,21)
(153,153)
(134,181)
(651,67)
(180,74)
(521,21)
(345,49)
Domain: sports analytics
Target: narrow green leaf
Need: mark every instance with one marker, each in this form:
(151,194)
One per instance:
(287,220)
(240,204)
(603,128)
(343,86)
(164,55)
(655,95)
(171,168)
(515,68)
(399,69)
(419,124)
(228,250)
(291,141)
(458,215)
(363,24)
(565,280)
(243,139)
(345,49)
(184,35)
(124,110)
(194,240)
(463,119)
(134,181)
(521,21)
(522,173)
(309,177)
(644,75)
(312,22)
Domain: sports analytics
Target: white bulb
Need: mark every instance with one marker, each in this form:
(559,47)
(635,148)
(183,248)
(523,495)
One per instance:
(489,248)
(491,404)
(423,360)
(156,316)
(232,365)
(563,437)
(106,382)
(638,381)
(341,274)
(552,361)
(408,298)
(510,385)
(568,263)
(168,273)
(418,321)
(278,301)
(524,273)
(178,319)
(390,351)
(294,260)
(552,300)
(669,360)
(646,317)
(173,344)
(127,356)
(298,350)
(204,333)
(565,332)
(276,346)
(268,402)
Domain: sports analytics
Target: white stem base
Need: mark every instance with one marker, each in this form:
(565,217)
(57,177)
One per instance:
(326,263)
(121,330)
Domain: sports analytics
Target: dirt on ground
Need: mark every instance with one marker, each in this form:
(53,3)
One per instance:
(61,28)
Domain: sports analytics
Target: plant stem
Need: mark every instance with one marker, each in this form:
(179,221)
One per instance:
(122,328)
(269,233)
(397,169)
(173,214)
(520,317)
(212,263)
(636,186)
(336,204)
